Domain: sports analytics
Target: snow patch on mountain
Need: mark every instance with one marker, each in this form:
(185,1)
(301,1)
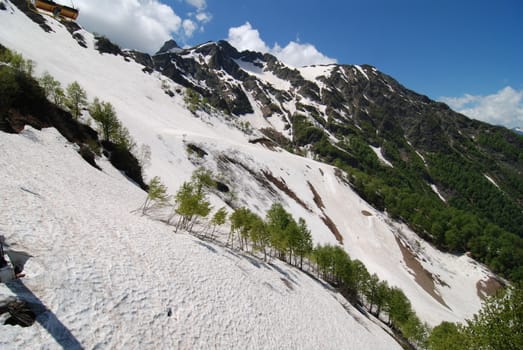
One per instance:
(312,73)
(436,191)
(491,180)
(377,151)
(360,69)
(264,75)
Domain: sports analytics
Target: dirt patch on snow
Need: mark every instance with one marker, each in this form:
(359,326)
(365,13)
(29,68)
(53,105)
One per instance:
(366,213)
(332,227)
(325,218)
(317,199)
(282,186)
(273,146)
(422,277)
(488,287)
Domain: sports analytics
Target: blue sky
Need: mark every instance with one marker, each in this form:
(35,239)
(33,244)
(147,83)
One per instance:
(468,53)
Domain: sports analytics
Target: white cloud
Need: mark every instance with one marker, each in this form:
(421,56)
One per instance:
(246,38)
(138,24)
(199,4)
(203,17)
(189,27)
(460,102)
(295,54)
(505,107)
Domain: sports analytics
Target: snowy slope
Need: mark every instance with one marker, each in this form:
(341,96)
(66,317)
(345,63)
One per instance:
(109,277)
(165,124)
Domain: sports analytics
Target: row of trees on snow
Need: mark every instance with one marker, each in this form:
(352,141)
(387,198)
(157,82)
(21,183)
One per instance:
(74,99)
(279,235)
(110,128)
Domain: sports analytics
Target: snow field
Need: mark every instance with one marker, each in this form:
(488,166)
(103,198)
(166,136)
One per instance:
(115,279)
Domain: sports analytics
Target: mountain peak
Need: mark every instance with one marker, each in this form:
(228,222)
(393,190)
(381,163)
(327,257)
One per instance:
(169,46)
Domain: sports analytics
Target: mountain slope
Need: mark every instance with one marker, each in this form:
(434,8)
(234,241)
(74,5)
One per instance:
(110,278)
(414,157)
(161,113)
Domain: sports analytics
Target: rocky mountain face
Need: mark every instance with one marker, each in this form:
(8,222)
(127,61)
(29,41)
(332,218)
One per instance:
(454,180)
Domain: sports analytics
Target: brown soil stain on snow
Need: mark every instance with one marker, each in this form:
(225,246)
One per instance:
(332,227)
(325,218)
(317,199)
(488,287)
(282,186)
(422,277)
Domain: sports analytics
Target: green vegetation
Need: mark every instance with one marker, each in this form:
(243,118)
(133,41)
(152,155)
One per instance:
(304,131)
(280,235)
(192,99)
(498,326)
(156,195)
(9,88)
(52,89)
(110,128)
(75,99)
(477,217)
(191,200)
(16,61)
(334,265)
(13,69)
(218,219)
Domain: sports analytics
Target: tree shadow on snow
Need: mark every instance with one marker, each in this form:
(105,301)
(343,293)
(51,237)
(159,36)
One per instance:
(283,272)
(208,246)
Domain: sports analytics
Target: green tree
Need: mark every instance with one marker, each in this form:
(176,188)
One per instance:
(398,307)
(123,139)
(240,225)
(304,241)
(17,61)
(52,89)
(382,292)
(76,99)
(104,115)
(218,219)
(157,194)
(58,97)
(259,235)
(203,178)
(371,293)
(415,331)
(358,279)
(447,336)
(321,256)
(9,88)
(499,323)
(278,222)
(497,326)
(191,203)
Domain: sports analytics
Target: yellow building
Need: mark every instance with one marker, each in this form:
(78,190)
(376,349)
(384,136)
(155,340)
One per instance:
(56,9)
